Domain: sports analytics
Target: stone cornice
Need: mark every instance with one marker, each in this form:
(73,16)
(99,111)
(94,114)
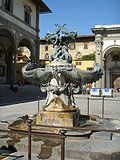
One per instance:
(103,29)
(16,27)
(43,8)
(12,15)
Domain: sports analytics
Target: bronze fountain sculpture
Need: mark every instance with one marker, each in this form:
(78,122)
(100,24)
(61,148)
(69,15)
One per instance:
(61,79)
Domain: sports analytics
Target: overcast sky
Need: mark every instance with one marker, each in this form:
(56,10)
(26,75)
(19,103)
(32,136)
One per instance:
(79,15)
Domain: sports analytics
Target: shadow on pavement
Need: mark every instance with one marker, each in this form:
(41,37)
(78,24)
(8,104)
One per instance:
(24,93)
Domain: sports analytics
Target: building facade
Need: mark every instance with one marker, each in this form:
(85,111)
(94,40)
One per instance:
(104,44)
(107,44)
(19,27)
(83,46)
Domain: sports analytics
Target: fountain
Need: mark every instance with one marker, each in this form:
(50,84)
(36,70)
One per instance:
(61,79)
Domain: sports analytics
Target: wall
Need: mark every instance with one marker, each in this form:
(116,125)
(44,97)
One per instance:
(107,41)
(79,47)
(19,10)
(17,18)
(84,64)
(43,52)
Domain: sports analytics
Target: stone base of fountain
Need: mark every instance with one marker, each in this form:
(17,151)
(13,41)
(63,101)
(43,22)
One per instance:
(59,118)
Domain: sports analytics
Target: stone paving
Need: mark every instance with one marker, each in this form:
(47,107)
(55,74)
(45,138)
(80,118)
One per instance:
(98,147)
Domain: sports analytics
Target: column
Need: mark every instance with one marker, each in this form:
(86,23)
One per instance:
(37,35)
(104,73)
(99,44)
(14,78)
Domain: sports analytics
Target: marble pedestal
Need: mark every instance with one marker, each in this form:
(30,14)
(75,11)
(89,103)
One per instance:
(60,118)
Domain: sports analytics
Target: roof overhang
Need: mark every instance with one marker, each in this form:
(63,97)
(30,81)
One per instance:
(105,28)
(43,8)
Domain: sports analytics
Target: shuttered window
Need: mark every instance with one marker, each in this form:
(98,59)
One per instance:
(27,14)
(8,5)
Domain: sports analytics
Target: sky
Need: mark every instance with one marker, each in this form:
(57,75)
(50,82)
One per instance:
(79,15)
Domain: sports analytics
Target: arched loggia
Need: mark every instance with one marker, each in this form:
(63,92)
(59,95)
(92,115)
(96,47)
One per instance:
(24,56)
(111,57)
(8,50)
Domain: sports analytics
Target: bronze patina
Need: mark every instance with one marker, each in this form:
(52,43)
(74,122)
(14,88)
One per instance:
(61,79)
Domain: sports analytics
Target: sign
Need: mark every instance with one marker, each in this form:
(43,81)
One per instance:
(107,92)
(95,92)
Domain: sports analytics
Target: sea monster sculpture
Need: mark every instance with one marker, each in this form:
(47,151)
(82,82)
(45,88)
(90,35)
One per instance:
(60,78)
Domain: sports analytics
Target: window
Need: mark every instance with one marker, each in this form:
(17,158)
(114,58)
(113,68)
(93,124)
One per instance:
(78,55)
(8,5)
(78,63)
(46,48)
(27,14)
(46,56)
(85,46)
(72,46)
(90,68)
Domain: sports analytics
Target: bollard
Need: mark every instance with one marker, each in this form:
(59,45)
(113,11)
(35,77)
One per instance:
(38,103)
(103,106)
(63,144)
(111,136)
(88,106)
(29,139)
(115,93)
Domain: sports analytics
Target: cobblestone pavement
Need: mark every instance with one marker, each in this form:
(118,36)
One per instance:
(11,108)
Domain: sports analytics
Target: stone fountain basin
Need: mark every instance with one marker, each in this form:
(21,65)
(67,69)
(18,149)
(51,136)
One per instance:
(89,122)
(85,121)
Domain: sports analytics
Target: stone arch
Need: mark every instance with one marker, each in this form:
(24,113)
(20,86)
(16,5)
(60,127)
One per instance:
(78,55)
(25,54)
(117,84)
(9,33)
(110,49)
(111,65)
(8,46)
(7,40)
(46,56)
(2,47)
(23,41)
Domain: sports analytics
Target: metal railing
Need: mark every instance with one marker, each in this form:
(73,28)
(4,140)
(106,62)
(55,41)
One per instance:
(29,133)
(61,135)
(103,99)
(88,105)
